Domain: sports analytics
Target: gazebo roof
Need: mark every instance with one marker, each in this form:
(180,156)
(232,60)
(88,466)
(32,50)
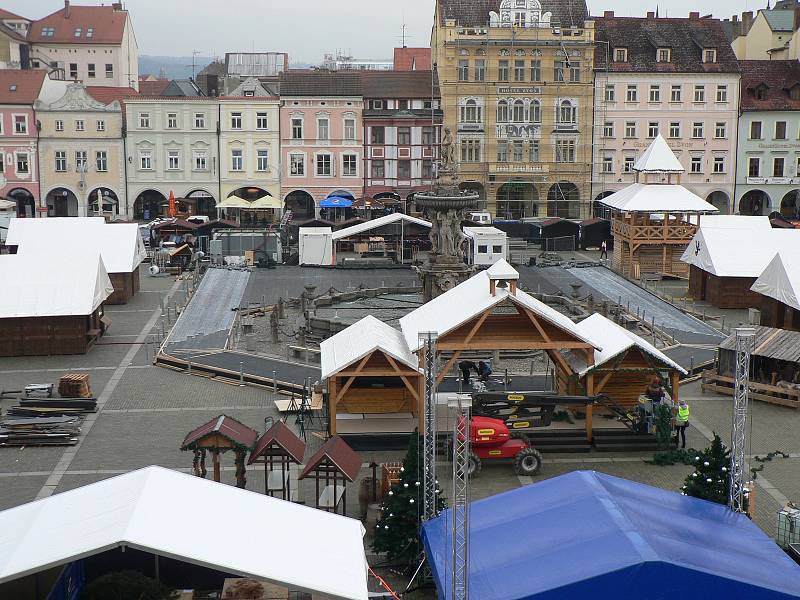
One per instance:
(658,158)
(502,270)
(285,438)
(237,433)
(657,197)
(340,454)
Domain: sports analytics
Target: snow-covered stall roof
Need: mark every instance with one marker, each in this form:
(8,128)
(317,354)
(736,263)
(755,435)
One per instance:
(120,244)
(615,341)
(781,280)
(737,252)
(735,222)
(56,287)
(361,339)
(469,299)
(165,512)
(657,197)
(376,223)
(20,230)
(488,232)
(658,158)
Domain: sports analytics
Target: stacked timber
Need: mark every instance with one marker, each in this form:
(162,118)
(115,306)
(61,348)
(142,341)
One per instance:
(74,385)
(40,431)
(32,407)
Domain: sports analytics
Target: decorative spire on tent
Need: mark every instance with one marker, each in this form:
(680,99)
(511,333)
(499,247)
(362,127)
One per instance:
(658,158)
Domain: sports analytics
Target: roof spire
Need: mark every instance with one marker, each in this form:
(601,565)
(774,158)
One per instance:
(656,11)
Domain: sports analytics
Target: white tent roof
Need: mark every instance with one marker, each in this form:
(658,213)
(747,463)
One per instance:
(469,299)
(734,222)
(615,340)
(781,280)
(20,229)
(167,513)
(361,339)
(738,253)
(379,222)
(316,231)
(657,197)
(476,232)
(57,287)
(120,244)
(658,158)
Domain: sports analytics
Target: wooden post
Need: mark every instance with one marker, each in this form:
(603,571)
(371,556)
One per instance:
(332,392)
(675,380)
(215,458)
(589,407)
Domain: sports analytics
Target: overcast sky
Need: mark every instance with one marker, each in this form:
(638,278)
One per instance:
(308,29)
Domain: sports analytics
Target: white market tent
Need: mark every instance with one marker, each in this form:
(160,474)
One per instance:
(483,242)
(165,512)
(316,246)
(749,223)
(729,252)
(473,297)
(615,340)
(781,280)
(376,223)
(362,339)
(22,229)
(658,158)
(57,287)
(120,245)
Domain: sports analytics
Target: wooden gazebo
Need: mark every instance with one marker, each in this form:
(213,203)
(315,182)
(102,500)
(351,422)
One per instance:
(278,445)
(371,375)
(654,219)
(220,435)
(335,463)
(625,366)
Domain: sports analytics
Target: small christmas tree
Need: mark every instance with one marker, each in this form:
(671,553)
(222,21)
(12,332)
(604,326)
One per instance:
(711,477)
(397,532)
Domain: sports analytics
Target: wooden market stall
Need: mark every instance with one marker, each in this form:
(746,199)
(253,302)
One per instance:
(279,445)
(626,364)
(374,383)
(219,435)
(335,464)
(778,288)
(559,234)
(653,220)
(728,253)
(53,306)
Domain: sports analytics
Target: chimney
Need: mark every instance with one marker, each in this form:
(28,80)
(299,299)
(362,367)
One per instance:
(747,22)
(66,9)
(608,14)
(694,16)
(651,15)
(117,6)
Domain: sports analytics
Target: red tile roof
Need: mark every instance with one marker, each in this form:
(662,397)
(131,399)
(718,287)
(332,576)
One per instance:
(412,59)
(107,25)
(284,438)
(340,454)
(237,433)
(20,87)
(7,14)
(107,94)
(779,77)
(153,88)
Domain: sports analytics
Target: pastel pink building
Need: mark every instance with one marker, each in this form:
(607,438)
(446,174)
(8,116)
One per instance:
(321,141)
(19,174)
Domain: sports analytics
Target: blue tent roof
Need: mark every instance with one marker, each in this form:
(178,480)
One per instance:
(336,203)
(590,535)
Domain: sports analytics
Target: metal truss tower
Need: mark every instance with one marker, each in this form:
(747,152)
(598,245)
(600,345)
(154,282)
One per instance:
(428,340)
(460,405)
(736,491)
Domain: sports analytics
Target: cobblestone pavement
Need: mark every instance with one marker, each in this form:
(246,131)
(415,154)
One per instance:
(147,411)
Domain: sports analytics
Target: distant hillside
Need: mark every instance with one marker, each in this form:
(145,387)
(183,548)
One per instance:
(175,67)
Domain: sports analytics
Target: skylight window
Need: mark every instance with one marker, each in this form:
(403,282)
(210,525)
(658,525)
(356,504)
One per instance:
(90,32)
(12,87)
(78,31)
(48,31)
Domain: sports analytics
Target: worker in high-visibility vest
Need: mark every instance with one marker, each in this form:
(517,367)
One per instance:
(681,423)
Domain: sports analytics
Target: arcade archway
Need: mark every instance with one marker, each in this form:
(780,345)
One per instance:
(61,202)
(103,202)
(755,202)
(203,203)
(563,200)
(516,200)
(301,203)
(26,203)
(148,205)
(790,205)
(720,201)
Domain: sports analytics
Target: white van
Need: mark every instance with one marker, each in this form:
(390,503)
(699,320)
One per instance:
(482,217)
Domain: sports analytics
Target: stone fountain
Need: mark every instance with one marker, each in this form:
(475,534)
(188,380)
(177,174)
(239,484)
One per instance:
(444,206)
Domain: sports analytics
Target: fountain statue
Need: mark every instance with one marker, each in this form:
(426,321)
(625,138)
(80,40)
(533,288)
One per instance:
(444,207)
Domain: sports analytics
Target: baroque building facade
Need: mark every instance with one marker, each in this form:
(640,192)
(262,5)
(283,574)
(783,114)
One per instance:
(516,80)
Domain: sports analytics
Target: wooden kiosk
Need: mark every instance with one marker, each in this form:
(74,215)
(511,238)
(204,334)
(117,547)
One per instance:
(278,445)
(335,463)
(220,435)
(654,220)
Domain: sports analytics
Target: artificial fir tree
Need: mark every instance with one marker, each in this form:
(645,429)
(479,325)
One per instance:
(397,532)
(711,477)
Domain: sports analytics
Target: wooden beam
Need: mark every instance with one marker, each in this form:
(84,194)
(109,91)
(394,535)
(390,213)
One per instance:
(403,377)
(511,345)
(589,407)
(448,365)
(353,377)
(555,356)
(466,343)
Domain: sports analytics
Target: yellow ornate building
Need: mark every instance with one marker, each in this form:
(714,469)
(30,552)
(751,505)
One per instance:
(516,79)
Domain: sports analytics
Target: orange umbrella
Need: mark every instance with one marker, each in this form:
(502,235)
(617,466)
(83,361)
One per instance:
(172,210)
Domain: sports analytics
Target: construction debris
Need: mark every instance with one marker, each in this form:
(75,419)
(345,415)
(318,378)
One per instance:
(74,385)
(40,431)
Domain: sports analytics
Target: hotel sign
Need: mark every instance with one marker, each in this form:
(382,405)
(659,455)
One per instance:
(519,90)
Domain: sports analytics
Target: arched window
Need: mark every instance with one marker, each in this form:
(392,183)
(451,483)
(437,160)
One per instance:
(502,111)
(518,114)
(567,113)
(470,112)
(536,112)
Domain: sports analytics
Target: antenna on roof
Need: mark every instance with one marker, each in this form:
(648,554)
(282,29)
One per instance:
(404,33)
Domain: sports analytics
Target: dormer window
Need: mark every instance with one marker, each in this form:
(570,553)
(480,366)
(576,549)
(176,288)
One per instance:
(48,31)
(663,55)
(78,31)
(794,92)
(620,55)
(709,55)
(760,92)
(90,32)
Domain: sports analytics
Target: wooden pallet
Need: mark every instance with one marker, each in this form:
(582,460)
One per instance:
(74,385)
